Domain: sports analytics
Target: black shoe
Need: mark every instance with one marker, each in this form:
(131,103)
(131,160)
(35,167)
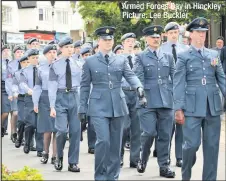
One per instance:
(91,150)
(127,145)
(17,144)
(167,172)
(179,163)
(32,148)
(133,165)
(14,137)
(3,132)
(39,154)
(73,168)
(45,157)
(154,153)
(53,159)
(121,162)
(26,149)
(141,166)
(58,164)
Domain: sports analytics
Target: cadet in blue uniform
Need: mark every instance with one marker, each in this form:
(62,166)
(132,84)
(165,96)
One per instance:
(27,82)
(4,87)
(197,101)
(19,94)
(173,47)
(13,66)
(91,135)
(77,48)
(154,67)
(106,104)
(118,49)
(132,123)
(64,82)
(33,43)
(45,123)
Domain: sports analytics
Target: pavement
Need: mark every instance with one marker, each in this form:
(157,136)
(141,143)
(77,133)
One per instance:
(15,159)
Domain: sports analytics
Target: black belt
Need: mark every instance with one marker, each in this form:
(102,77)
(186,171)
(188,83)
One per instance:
(27,95)
(66,90)
(21,95)
(128,89)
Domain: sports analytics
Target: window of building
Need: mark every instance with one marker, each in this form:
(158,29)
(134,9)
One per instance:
(40,14)
(62,17)
(45,14)
(6,15)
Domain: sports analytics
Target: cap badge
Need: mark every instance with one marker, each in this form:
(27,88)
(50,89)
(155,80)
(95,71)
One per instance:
(201,22)
(155,29)
(107,30)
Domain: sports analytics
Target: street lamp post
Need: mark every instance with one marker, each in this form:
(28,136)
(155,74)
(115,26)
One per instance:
(53,29)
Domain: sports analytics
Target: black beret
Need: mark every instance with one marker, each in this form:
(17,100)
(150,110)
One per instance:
(220,38)
(118,47)
(200,24)
(85,50)
(105,32)
(17,47)
(23,58)
(128,35)
(31,52)
(5,47)
(153,31)
(48,48)
(171,26)
(65,41)
(32,40)
(78,43)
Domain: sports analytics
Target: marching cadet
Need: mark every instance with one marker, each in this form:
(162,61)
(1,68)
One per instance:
(13,66)
(197,101)
(64,82)
(95,47)
(33,43)
(131,123)
(45,123)
(77,48)
(106,104)
(173,47)
(19,94)
(4,87)
(85,52)
(137,47)
(27,82)
(154,67)
(118,49)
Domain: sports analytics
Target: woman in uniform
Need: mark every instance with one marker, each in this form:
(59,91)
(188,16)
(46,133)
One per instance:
(45,123)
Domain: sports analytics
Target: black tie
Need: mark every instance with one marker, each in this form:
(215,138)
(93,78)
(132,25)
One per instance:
(68,75)
(7,61)
(106,58)
(130,61)
(174,52)
(200,52)
(19,66)
(155,53)
(34,75)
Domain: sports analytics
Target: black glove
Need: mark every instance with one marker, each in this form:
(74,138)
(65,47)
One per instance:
(82,117)
(140,92)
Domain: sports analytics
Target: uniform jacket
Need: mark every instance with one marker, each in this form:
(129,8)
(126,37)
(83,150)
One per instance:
(106,98)
(190,90)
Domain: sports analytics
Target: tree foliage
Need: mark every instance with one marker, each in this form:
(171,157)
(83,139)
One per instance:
(109,13)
